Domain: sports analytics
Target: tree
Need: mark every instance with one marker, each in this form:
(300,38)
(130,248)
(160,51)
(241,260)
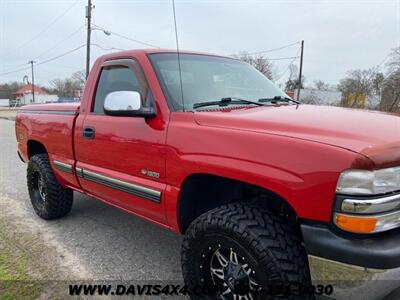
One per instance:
(7,90)
(311,98)
(390,100)
(377,83)
(260,62)
(293,81)
(79,77)
(321,86)
(66,87)
(394,61)
(357,85)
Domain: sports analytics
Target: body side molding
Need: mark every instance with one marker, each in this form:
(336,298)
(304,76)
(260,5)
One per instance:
(131,188)
(62,166)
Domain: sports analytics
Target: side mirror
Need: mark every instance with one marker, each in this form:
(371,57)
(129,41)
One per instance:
(126,103)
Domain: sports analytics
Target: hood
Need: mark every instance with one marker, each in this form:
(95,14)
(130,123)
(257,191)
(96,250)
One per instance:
(374,134)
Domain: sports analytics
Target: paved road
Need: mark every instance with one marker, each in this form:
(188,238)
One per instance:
(97,240)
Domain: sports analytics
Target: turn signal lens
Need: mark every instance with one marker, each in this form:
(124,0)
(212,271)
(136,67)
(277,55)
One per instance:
(356,224)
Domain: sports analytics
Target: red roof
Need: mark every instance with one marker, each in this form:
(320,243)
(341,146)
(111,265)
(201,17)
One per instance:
(27,89)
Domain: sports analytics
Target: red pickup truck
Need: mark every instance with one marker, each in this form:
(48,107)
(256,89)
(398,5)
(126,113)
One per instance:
(206,146)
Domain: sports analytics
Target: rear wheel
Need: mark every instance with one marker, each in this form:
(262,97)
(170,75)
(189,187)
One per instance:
(49,199)
(244,252)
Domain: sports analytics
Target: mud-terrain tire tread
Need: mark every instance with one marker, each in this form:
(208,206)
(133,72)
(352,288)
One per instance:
(59,199)
(265,234)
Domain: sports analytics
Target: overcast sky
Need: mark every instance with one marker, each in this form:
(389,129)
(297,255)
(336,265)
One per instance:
(338,35)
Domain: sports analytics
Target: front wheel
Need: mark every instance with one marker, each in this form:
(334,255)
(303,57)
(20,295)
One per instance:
(244,252)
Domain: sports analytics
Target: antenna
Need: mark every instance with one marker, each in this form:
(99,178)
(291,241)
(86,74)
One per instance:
(177,50)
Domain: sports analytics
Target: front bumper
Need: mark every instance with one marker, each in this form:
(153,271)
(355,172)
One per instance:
(381,251)
(357,268)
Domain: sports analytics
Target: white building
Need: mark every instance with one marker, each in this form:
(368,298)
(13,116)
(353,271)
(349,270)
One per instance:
(25,96)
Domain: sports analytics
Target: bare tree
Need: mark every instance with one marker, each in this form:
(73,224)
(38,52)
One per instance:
(390,100)
(394,61)
(377,82)
(311,98)
(79,77)
(67,86)
(357,84)
(321,86)
(260,62)
(293,81)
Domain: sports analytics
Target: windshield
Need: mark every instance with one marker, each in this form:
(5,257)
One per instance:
(208,78)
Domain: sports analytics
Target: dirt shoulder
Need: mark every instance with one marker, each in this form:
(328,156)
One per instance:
(16,270)
(8,114)
(27,266)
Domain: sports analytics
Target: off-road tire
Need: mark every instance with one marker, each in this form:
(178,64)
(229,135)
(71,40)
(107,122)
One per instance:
(265,238)
(58,199)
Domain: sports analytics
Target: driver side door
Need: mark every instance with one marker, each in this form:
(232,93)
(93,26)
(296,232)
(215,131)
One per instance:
(121,159)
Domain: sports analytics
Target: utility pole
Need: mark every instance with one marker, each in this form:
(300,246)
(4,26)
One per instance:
(89,31)
(33,81)
(301,70)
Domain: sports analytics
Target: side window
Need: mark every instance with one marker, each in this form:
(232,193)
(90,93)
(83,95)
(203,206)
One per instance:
(114,79)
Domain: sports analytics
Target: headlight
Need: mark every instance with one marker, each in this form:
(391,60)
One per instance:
(361,182)
(363,204)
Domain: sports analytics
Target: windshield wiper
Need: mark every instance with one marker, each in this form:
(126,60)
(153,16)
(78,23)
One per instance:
(226,101)
(278,99)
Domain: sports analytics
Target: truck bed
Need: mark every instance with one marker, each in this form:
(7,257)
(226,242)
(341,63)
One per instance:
(50,125)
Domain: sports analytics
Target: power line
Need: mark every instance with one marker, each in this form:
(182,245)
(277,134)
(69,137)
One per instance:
(15,71)
(126,37)
(274,49)
(61,41)
(45,61)
(13,66)
(288,66)
(61,55)
(107,49)
(63,66)
(44,30)
(95,36)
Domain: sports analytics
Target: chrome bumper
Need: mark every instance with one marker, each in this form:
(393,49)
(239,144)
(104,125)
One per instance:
(353,282)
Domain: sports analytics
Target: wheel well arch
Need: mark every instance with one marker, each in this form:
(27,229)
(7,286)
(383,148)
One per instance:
(35,147)
(201,192)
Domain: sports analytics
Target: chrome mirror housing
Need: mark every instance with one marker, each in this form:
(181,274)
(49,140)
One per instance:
(126,103)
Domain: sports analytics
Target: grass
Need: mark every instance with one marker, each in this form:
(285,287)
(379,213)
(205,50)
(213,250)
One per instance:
(28,268)
(15,279)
